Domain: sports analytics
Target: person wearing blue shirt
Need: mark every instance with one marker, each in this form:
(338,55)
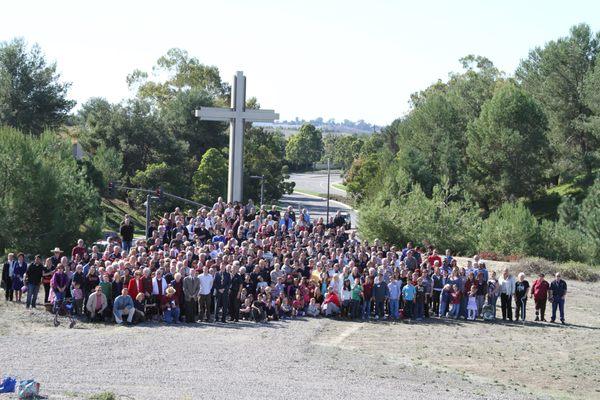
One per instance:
(408,292)
(558,292)
(123,305)
(394,289)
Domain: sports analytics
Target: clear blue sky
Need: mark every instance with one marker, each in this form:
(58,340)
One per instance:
(335,59)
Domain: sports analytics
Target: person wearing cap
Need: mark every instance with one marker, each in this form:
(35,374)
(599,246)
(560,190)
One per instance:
(56,256)
(171,306)
(539,294)
(557,294)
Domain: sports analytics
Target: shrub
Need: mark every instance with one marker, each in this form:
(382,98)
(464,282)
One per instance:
(510,230)
(45,197)
(556,241)
(569,270)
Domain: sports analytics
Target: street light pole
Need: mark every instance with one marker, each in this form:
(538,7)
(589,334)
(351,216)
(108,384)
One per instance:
(262,187)
(148,200)
(262,190)
(328,179)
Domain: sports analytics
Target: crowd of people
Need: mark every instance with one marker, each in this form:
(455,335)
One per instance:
(234,261)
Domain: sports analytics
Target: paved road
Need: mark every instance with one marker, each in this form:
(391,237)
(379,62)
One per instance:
(316,182)
(317,207)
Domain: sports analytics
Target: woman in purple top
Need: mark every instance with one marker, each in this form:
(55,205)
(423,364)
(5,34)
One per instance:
(18,274)
(59,283)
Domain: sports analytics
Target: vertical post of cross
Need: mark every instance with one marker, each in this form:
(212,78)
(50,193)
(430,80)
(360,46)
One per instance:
(237,116)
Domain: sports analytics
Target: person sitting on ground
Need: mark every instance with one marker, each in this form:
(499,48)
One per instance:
(258,309)
(298,306)
(123,305)
(285,310)
(140,308)
(246,309)
(331,304)
(97,305)
(313,308)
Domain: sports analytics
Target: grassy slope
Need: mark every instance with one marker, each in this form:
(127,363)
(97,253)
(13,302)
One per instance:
(114,210)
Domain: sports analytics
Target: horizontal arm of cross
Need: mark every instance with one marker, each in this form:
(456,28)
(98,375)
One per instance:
(226,114)
(215,114)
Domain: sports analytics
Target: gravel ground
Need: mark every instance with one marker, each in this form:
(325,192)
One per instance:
(295,359)
(309,358)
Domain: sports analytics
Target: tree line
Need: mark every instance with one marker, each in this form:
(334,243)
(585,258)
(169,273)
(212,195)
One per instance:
(486,161)
(149,140)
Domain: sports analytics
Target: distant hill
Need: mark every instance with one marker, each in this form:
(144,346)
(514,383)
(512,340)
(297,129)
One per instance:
(345,127)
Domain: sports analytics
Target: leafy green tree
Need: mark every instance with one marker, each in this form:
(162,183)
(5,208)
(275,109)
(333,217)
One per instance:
(507,148)
(264,153)
(168,177)
(109,163)
(362,177)
(32,98)
(341,150)
(210,179)
(183,73)
(131,129)
(305,147)
(556,75)
(46,199)
(431,139)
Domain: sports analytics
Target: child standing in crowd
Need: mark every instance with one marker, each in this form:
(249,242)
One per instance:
(408,294)
(346,298)
(445,300)
(472,304)
(456,298)
(419,299)
(77,299)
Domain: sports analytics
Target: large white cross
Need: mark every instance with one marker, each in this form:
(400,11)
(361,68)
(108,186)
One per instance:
(237,115)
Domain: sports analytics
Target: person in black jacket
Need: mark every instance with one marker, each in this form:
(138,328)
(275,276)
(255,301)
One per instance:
(126,232)
(7,275)
(33,277)
(221,288)
(234,292)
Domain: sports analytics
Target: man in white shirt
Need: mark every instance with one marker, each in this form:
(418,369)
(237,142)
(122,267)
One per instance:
(507,289)
(206,284)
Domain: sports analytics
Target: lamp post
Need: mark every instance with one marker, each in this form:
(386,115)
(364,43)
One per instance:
(262,186)
(328,179)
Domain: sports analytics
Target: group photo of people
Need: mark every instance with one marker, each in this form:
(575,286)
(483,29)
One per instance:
(237,262)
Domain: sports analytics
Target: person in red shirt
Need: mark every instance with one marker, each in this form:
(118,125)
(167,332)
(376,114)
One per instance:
(433,258)
(331,305)
(78,250)
(539,293)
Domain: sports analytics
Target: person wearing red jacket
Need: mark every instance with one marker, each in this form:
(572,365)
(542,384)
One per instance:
(331,304)
(539,293)
(136,285)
